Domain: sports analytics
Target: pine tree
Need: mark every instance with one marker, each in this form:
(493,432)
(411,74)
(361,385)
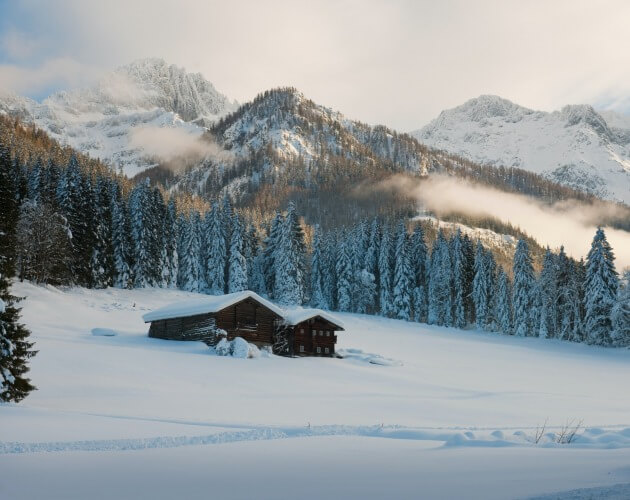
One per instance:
(15,348)
(565,296)
(523,291)
(257,275)
(459,276)
(621,315)
(216,251)
(170,257)
(344,277)
(189,269)
(402,276)
(289,261)
(504,304)
(272,243)
(418,259)
(102,262)
(9,212)
(440,283)
(121,240)
(480,289)
(600,292)
(145,262)
(237,276)
(329,270)
(385,274)
(317,295)
(547,294)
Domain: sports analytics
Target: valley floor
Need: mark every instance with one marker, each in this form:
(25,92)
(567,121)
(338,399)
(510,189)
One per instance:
(445,413)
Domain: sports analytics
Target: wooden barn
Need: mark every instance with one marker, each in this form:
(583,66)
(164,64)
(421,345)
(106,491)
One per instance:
(302,332)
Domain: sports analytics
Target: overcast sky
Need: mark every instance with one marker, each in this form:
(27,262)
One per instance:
(397,63)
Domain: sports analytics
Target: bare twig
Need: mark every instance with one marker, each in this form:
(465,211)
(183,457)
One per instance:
(540,431)
(568,432)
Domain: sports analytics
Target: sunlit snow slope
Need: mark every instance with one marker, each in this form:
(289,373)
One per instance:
(575,146)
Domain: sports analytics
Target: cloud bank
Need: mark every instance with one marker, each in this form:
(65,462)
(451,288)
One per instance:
(177,147)
(568,223)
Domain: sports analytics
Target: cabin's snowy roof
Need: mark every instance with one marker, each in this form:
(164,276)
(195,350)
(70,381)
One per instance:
(209,304)
(215,303)
(300,314)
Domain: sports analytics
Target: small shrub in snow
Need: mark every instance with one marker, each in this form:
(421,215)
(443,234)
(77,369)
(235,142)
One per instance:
(224,347)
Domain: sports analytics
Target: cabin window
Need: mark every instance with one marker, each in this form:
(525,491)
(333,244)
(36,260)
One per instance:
(319,350)
(326,350)
(327,333)
(301,330)
(301,348)
(314,332)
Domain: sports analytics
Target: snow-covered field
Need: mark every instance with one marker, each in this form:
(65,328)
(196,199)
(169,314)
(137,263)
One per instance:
(412,412)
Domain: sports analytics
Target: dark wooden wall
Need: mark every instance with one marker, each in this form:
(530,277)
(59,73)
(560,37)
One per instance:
(308,335)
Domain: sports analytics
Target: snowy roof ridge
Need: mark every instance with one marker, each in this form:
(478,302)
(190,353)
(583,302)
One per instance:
(215,303)
(208,304)
(297,314)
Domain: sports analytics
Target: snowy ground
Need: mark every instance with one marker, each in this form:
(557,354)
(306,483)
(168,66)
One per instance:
(411,412)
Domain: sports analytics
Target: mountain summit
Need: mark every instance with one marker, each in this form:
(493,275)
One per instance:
(100,120)
(575,146)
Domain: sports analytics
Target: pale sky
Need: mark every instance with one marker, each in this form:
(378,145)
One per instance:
(393,62)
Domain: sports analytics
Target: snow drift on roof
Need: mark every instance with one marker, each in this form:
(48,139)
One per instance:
(215,303)
(299,314)
(209,304)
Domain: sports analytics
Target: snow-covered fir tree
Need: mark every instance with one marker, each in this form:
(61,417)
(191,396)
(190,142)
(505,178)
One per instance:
(317,278)
(272,244)
(459,276)
(329,270)
(440,283)
(418,260)
(189,262)
(385,274)
(480,289)
(344,276)
(620,314)
(146,264)
(523,290)
(15,347)
(504,303)
(547,296)
(170,260)
(401,292)
(237,275)
(215,251)
(102,265)
(289,261)
(121,240)
(602,283)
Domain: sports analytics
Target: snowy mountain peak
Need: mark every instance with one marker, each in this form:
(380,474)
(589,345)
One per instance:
(485,107)
(101,120)
(575,114)
(574,146)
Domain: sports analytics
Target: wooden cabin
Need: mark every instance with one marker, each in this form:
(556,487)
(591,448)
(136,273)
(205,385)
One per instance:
(301,332)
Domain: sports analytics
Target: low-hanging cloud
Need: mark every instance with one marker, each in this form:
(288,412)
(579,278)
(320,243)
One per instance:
(177,147)
(569,223)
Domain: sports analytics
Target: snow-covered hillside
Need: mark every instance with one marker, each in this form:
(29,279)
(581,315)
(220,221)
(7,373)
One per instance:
(100,120)
(129,414)
(575,146)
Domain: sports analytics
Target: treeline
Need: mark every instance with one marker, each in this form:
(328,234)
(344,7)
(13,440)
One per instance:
(71,226)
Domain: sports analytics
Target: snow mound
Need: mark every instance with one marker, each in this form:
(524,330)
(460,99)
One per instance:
(237,348)
(364,357)
(104,332)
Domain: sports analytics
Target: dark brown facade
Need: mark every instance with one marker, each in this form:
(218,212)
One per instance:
(315,337)
(257,324)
